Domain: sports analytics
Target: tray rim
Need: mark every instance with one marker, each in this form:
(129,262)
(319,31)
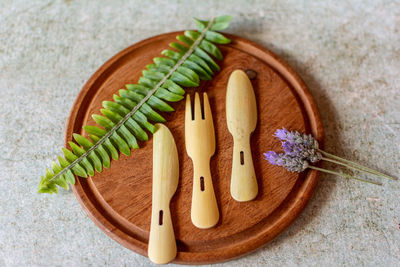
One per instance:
(307,187)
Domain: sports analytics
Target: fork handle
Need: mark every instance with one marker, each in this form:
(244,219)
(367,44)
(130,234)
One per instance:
(243,180)
(204,211)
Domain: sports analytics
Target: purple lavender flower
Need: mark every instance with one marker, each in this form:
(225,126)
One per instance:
(299,145)
(300,149)
(293,164)
(292,149)
(273,158)
(284,135)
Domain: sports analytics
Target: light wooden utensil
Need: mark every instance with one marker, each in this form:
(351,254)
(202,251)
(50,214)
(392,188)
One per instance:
(162,244)
(200,146)
(241,116)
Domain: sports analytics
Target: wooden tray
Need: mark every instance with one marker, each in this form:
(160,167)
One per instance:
(119,199)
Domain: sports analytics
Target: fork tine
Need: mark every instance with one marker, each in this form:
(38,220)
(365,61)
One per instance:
(188,110)
(207,109)
(197,107)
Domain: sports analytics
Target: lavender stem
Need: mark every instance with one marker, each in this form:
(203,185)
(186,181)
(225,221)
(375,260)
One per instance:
(343,175)
(349,166)
(353,165)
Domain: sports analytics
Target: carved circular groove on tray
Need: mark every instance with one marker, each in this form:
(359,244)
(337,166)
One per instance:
(118,200)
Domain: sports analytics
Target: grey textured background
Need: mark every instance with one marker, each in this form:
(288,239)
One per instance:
(348,53)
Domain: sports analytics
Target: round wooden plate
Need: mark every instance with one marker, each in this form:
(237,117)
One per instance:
(118,200)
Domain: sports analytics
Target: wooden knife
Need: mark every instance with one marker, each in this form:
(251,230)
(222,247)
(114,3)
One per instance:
(162,244)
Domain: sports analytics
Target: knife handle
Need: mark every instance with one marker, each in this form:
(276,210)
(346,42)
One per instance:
(204,211)
(162,244)
(243,180)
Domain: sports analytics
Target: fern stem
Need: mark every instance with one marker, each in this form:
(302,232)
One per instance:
(138,106)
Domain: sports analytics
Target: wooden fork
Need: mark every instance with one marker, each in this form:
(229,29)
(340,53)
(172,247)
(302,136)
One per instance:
(200,146)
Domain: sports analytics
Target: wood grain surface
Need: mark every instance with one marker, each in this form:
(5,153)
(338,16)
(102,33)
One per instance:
(118,200)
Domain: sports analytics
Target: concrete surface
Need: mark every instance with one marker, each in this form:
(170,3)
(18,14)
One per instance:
(348,52)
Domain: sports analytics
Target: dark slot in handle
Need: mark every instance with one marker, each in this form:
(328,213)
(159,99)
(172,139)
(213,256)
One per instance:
(160,217)
(202,183)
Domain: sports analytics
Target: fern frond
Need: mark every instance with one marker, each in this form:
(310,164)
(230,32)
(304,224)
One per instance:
(125,120)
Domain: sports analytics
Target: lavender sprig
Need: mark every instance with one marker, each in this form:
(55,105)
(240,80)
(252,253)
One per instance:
(301,149)
(295,164)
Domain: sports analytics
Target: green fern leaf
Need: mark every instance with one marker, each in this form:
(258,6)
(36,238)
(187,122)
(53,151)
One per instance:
(125,120)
